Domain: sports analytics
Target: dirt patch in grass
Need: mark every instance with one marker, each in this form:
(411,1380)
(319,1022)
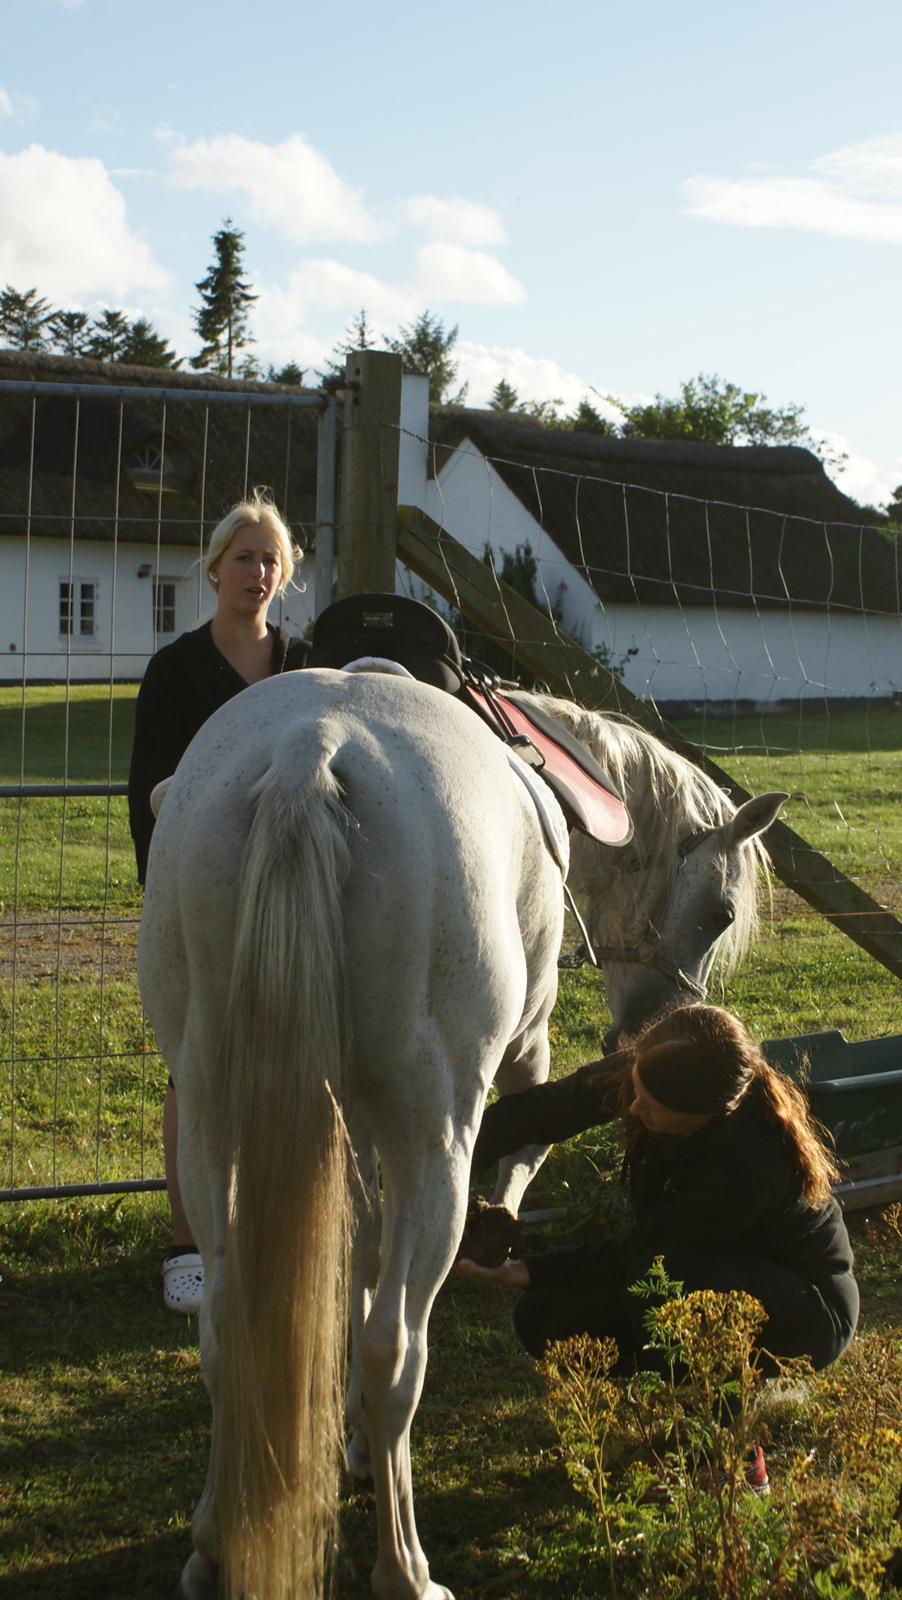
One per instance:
(36,945)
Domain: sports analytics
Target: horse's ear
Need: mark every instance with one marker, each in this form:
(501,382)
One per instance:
(754,816)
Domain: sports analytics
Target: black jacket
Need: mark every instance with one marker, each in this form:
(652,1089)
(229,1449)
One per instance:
(733,1185)
(184,684)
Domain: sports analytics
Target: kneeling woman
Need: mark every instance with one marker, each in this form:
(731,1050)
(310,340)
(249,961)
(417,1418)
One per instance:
(728,1181)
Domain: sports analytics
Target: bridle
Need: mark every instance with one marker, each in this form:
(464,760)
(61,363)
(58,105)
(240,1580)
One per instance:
(647,952)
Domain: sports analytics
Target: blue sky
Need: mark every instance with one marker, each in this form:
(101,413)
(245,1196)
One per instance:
(605,198)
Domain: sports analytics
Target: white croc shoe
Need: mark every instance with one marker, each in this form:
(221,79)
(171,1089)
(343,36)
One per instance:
(183,1282)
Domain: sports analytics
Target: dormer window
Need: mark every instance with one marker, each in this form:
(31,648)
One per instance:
(152,470)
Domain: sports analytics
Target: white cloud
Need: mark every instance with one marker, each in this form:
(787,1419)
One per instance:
(873,167)
(861,477)
(290,186)
(166,135)
(449,272)
(462,221)
(854,193)
(534,377)
(330,286)
(66,229)
(105,124)
(310,352)
(18,106)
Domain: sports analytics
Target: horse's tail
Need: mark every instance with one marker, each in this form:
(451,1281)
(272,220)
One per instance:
(280,1316)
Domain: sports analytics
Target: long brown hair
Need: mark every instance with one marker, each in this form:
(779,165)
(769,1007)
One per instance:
(713,1043)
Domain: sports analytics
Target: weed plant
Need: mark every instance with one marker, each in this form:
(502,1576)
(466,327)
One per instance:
(660,1458)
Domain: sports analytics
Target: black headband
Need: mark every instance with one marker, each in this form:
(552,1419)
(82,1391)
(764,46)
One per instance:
(687,1080)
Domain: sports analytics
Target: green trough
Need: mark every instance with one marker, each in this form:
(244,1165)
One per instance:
(855,1090)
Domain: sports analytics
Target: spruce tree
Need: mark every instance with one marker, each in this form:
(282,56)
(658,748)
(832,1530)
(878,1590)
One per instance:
(145,347)
(222,318)
(70,332)
(109,337)
(426,348)
(358,336)
(504,397)
(24,319)
(289,373)
(587,419)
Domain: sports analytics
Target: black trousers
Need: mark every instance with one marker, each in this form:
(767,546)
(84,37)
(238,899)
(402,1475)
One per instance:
(586,1292)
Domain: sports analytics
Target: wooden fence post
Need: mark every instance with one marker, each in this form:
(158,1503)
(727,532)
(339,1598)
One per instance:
(368,506)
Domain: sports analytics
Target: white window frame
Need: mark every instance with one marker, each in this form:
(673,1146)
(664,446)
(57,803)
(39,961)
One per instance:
(83,593)
(161,606)
(151,471)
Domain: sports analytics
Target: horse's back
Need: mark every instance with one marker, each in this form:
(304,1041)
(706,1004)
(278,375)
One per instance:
(447,859)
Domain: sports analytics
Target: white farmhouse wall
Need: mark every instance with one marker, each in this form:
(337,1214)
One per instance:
(694,653)
(124,638)
(700,654)
(477,508)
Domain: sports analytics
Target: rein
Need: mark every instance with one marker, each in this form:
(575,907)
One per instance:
(647,952)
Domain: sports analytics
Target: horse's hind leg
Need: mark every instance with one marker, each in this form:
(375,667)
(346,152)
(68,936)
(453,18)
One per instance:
(425,1204)
(364,1277)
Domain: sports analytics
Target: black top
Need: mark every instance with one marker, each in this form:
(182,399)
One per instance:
(732,1185)
(184,684)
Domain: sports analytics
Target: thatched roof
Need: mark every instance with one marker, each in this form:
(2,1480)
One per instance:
(665,522)
(212,452)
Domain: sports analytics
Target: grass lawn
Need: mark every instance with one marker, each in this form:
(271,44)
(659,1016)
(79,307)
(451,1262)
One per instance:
(106,1423)
(104,1449)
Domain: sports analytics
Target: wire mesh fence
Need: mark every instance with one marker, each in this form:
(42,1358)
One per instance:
(106,498)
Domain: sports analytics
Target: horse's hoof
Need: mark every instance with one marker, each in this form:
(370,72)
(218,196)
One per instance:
(491,1234)
(199,1580)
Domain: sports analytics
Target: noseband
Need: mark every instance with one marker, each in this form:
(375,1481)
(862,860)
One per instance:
(647,953)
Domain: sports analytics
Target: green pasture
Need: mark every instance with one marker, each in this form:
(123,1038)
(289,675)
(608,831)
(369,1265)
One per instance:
(103,1453)
(67,878)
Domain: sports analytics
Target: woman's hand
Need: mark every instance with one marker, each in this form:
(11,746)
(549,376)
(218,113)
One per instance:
(510,1274)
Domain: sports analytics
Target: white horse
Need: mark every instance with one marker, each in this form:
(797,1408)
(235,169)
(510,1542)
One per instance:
(351,926)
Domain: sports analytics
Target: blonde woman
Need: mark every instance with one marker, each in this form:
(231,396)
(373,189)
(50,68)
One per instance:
(250,559)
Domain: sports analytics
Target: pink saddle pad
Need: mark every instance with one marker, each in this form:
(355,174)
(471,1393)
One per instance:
(590,801)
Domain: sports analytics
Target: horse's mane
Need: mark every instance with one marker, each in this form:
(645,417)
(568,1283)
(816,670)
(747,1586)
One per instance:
(669,799)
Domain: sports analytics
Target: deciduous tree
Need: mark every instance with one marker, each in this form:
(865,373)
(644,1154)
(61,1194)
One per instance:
(710,410)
